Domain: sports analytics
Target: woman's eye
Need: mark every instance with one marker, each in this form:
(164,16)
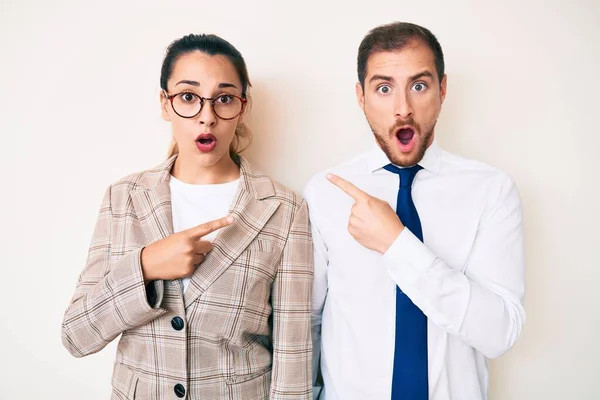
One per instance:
(419,87)
(384,89)
(225,99)
(188,97)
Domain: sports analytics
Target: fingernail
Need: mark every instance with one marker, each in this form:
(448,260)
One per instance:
(230,219)
(329,176)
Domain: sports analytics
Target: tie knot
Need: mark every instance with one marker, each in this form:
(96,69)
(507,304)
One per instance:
(407,175)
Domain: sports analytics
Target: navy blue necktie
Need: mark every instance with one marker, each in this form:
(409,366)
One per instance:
(410,353)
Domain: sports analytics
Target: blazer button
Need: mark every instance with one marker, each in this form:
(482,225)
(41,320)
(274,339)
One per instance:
(177,324)
(179,390)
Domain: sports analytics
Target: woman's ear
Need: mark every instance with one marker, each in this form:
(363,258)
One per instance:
(164,106)
(243,113)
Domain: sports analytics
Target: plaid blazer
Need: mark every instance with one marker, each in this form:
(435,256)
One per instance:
(242,329)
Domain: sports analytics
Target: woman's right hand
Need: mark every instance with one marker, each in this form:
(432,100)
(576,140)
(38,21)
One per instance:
(178,255)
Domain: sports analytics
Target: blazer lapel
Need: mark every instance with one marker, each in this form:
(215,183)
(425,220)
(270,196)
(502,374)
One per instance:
(252,207)
(153,210)
(151,200)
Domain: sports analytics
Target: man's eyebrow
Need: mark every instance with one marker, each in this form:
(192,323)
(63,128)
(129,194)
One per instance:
(421,75)
(381,78)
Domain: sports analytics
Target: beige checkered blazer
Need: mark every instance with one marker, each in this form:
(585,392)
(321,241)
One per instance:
(246,312)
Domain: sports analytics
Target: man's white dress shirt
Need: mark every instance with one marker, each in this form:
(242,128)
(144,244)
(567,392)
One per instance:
(467,276)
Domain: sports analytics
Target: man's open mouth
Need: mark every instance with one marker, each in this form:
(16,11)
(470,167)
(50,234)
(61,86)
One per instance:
(405,135)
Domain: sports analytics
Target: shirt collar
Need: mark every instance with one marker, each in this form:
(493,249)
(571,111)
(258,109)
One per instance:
(431,161)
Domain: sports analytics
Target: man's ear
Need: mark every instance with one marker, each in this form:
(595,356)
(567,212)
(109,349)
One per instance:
(443,87)
(360,96)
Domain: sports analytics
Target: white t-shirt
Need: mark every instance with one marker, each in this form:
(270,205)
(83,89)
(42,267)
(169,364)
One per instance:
(193,205)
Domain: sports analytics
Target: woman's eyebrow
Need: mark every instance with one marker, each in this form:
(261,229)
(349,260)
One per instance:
(194,83)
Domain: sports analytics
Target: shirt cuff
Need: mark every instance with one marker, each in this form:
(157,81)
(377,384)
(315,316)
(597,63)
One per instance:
(407,259)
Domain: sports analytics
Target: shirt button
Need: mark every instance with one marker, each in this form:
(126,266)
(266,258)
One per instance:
(177,324)
(179,390)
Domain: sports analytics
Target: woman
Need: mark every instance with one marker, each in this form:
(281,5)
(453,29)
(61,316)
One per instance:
(209,306)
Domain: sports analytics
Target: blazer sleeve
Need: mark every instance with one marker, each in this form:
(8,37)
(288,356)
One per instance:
(110,296)
(291,301)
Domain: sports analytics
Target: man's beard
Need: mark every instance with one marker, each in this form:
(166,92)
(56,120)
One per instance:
(416,155)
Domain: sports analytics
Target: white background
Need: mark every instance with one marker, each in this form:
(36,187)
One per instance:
(79,87)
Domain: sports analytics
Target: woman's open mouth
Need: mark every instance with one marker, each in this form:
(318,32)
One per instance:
(206,142)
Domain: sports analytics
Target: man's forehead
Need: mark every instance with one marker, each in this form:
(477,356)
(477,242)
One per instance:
(404,62)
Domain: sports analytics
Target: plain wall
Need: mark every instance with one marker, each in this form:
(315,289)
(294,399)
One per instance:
(79,109)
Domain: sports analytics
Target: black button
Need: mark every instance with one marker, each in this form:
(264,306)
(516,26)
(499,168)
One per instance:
(177,324)
(179,389)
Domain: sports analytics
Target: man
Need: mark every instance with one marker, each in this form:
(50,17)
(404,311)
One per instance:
(419,271)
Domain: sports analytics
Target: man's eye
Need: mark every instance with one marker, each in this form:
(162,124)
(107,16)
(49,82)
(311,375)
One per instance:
(419,87)
(384,89)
